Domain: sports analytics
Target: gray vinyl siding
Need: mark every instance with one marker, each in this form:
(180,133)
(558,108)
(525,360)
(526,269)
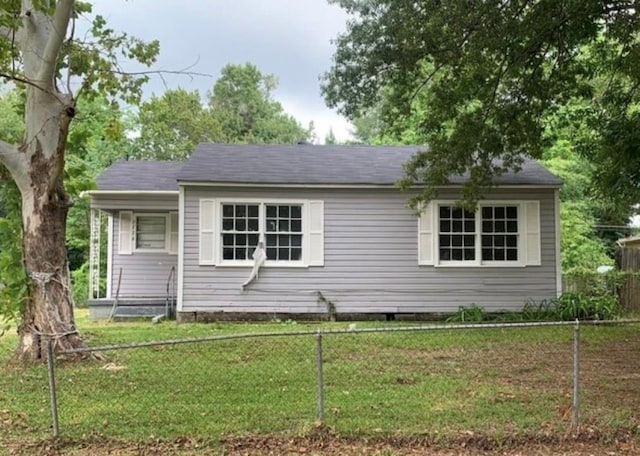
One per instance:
(144,274)
(370,263)
(124,202)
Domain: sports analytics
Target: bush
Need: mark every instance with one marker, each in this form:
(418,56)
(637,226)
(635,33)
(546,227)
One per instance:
(472,313)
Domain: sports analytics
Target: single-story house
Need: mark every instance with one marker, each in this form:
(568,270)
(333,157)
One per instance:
(302,231)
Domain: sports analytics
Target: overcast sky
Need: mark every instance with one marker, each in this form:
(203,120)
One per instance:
(288,38)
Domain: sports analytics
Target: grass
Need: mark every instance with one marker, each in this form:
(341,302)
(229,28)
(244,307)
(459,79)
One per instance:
(500,382)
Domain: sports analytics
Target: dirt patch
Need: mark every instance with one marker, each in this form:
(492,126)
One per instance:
(323,442)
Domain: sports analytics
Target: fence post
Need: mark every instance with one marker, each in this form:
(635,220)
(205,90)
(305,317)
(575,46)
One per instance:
(576,377)
(320,378)
(52,389)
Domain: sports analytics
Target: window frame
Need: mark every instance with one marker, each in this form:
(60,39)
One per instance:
(478,262)
(262,203)
(167,233)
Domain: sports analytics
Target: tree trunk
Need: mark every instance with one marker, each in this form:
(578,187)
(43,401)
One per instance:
(48,312)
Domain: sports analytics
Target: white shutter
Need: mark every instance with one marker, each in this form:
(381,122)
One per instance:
(207,232)
(126,233)
(532,233)
(425,236)
(172,233)
(316,233)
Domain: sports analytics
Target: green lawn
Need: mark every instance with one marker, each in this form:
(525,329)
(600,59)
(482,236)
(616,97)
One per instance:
(498,382)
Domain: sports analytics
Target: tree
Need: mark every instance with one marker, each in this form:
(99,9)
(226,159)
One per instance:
(242,103)
(39,55)
(172,125)
(488,74)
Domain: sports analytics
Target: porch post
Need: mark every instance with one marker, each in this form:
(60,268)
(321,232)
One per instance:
(94,255)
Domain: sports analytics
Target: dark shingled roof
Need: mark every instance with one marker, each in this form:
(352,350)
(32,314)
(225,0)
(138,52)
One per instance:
(312,164)
(302,164)
(136,175)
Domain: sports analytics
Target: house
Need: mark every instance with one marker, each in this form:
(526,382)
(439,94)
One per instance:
(299,231)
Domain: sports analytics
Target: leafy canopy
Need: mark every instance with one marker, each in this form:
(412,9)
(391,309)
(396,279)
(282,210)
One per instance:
(477,79)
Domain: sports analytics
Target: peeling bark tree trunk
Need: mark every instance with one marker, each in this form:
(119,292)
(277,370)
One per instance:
(37,168)
(48,313)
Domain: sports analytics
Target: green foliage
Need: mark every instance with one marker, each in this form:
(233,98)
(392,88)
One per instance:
(240,109)
(13,280)
(478,83)
(172,125)
(472,313)
(241,103)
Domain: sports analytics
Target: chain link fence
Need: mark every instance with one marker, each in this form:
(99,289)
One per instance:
(435,380)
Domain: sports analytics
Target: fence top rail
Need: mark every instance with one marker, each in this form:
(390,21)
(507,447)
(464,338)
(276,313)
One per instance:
(350,330)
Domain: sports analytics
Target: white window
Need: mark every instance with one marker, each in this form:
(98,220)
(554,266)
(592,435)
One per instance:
(495,234)
(151,232)
(231,229)
(145,232)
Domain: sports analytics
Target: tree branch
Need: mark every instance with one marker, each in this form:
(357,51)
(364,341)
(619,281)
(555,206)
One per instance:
(15,78)
(11,157)
(59,24)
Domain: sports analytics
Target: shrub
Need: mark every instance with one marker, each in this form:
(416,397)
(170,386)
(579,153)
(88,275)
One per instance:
(472,313)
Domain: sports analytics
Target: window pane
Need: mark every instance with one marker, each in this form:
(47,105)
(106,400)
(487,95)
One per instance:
(272,211)
(253,211)
(445,254)
(272,225)
(227,210)
(227,240)
(283,240)
(512,212)
(241,254)
(456,255)
(445,241)
(469,226)
(296,226)
(469,241)
(240,210)
(456,212)
(227,224)
(296,212)
(487,254)
(487,212)
(283,211)
(512,254)
(512,241)
(445,226)
(253,240)
(498,241)
(499,212)
(241,225)
(445,211)
(487,226)
(241,239)
(296,240)
(272,254)
(283,225)
(272,240)
(512,226)
(283,254)
(487,241)
(498,254)
(469,254)
(500,227)
(456,241)
(457,226)
(227,254)
(253,225)
(296,254)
